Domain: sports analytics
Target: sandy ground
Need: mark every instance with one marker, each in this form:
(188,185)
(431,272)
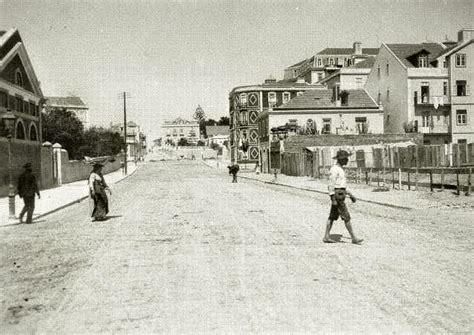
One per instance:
(185,250)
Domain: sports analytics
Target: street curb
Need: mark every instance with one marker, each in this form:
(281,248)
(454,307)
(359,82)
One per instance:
(80,199)
(321,192)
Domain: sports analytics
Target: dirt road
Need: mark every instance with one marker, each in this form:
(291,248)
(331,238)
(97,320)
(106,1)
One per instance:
(186,250)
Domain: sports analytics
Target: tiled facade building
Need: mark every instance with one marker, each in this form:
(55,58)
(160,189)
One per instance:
(245,105)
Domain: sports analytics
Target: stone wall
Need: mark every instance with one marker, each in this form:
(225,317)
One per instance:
(22,152)
(298,142)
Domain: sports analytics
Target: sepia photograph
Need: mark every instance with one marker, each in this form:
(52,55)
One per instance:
(236,166)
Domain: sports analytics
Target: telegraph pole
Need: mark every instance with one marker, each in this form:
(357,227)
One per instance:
(125,129)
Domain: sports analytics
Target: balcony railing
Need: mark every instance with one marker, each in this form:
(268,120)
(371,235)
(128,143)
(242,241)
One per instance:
(432,100)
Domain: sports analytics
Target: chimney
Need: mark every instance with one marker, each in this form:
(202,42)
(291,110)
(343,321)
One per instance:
(465,34)
(357,48)
(270,80)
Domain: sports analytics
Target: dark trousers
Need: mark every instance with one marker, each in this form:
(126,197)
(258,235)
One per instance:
(28,208)
(234,179)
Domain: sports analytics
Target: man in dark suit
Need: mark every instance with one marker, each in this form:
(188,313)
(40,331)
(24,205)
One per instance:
(27,188)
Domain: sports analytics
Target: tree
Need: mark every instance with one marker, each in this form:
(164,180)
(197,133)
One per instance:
(183,142)
(211,122)
(200,117)
(101,142)
(223,121)
(63,127)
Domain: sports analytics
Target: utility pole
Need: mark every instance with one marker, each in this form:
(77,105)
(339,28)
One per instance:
(125,128)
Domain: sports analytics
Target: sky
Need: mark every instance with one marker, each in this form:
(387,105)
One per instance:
(171,56)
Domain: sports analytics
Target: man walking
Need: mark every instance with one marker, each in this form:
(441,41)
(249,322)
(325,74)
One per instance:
(27,188)
(337,191)
(233,169)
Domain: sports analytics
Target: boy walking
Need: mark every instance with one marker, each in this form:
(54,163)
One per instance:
(337,191)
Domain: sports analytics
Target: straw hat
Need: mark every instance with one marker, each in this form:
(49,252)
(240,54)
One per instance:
(342,154)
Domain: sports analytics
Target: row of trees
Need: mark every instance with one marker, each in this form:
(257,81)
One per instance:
(63,127)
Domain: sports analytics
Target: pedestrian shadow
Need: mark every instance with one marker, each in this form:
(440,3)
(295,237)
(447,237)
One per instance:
(110,217)
(337,238)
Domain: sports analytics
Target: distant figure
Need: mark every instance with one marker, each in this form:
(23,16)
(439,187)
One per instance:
(27,188)
(233,169)
(338,191)
(97,188)
(122,166)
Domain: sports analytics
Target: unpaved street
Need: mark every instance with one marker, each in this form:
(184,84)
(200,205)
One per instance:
(187,250)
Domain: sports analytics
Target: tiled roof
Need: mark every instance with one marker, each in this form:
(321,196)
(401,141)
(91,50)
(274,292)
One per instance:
(367,63)
(404,51)
(348,51)
(321,99)
(297,64)
(65,101)
(217,130)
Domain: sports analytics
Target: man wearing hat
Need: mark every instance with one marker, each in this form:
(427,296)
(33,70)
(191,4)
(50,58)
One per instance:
(337,191)
(27,188)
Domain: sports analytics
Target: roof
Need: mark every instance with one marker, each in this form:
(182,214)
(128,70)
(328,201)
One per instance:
(179,120)
(404,51)
(65,101)
(455,48)
(131,124)
(367,63)
(347,51)
(322,99)
(217,130)
(297,64)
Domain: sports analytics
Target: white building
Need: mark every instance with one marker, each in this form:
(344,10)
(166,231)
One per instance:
(74,105)
(180,128)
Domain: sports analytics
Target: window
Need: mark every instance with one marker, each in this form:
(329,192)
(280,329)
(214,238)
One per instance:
(3,99)
(243,99)
(361,125)
(462,141)
(320,76)
(20,131)
(359,83)
(349,62)
(272,99)
(26,108)
(320,62)
(378,72)
(461,117)
(331,61)
(243,118)
(19,104)
(425,92)
(388,95)
(423,61)
(387,70)
(445,88)
(18,78)
(295,73)
(33,133)
(326,126)
(286,97)
(460,60)
(461,90)
(425,119)
(445,64)
(175,132)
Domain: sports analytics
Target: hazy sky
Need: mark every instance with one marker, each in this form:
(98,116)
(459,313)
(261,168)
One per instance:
(173,55)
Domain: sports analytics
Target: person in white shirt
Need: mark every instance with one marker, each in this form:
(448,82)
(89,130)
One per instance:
(337,191)
(97,188)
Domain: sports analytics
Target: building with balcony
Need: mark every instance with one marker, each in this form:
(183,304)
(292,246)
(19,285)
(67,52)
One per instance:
(245,105)
(71,104)
(328,61)
(417,84)
(460,63)
(178,129)
(136,139)
(412,86)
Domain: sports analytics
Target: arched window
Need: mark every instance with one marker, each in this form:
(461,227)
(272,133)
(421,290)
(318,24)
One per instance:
(20,131)
(33,133)
(18,78)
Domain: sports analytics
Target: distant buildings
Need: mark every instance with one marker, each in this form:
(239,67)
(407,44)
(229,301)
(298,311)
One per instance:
(179,128)
(218,135)
(20,90)
(136,139)
(70,104)
(327,62)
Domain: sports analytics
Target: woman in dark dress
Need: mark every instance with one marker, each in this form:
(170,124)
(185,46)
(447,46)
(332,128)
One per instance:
(97,187)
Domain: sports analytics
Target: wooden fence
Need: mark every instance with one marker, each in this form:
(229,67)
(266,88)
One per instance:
(373,163)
